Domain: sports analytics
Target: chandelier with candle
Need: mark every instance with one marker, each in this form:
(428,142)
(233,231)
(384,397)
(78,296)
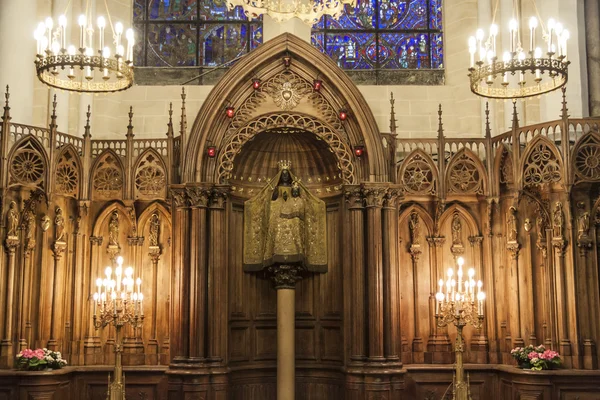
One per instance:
(101,61)
(523,68)
(459,301)
(118,301)
(309,11)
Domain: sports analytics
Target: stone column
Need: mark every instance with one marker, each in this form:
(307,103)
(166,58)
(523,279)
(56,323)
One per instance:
(354,201)
(217,275)
(391,289)
(199,197)
(592,44)
(285,278)
(7,345)
(374,199)
(18,20)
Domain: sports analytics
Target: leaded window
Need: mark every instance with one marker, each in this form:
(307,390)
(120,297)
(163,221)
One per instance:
(383,35)
(187,33)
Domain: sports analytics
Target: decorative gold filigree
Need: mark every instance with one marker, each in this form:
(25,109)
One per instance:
(417,175)
(108,177)
(27,166)
(464,175)
(67,175)
(287,89)
(541,166)
(150,177)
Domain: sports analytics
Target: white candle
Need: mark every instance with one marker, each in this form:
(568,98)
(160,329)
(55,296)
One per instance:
(493,34)
(62,22)
(82,22)
(49,25)
(101,25)
(513,27)
(129,36)
(533,23)
(551,24)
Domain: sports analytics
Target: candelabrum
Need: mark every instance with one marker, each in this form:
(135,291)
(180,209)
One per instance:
(118,301)
(459,301)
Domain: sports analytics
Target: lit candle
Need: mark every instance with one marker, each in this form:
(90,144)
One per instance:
(479,38)
(565,36)
(493,34)
(96,297)
(88,70)
(62,22)
(533,23)
(101,25)
(81,22)
(141,299)
(118,34)
(129,36)
(558,29)
(138,282)
(513,27)
(49,25)
(551,24)
(521,74)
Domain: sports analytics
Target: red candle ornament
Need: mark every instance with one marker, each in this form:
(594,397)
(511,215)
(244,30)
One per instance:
(230,112)
(211,151)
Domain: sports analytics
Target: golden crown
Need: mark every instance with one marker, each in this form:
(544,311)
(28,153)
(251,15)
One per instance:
(284,164)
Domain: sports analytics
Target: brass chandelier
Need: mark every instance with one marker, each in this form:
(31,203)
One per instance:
(520,72)
(309,11)
(91,67)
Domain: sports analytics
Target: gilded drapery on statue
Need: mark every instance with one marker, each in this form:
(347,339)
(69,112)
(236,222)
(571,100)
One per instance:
(285,224)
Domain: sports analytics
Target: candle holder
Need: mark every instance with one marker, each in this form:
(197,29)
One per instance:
(460,305)
(118,302)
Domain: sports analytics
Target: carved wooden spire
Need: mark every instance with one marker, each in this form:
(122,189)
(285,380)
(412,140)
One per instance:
(86,132)
(515,115)
(564,112)
(53,116)
(130,126)
(440,124)
(392,114)
(170,123)
(6,115)
(183,122)
(488,130)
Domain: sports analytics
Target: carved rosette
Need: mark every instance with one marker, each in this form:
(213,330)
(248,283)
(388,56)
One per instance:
(285,276)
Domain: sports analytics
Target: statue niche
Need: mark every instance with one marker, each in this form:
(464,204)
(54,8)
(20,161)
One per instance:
(285,225)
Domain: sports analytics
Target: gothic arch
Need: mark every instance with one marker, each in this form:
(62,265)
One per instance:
(66,178)
(107,186)
(150,180)
(502,171)
(418,174)
(586,158)
(465,213)
(147,213)
(105,215)
(466,174)
(235,88)
(541,163)
(425,217)
(28,164)
(285,120)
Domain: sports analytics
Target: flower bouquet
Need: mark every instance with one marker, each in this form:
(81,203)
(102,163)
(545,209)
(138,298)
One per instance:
(39,359)
(536,358)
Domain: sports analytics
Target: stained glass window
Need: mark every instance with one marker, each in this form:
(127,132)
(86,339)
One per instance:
(384,35)
(176,33)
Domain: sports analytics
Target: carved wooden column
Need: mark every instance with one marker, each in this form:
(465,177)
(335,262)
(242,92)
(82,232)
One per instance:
(415,253)
(7,345)
(489,278)
(154,252)
(526,291)
(438,346)
(374,196)
(354,200)
(198,197)
(91,346)
(25,297)
(391,289)
(81,253)
(58,249)
(180,278)
(217,275)
(479,342)
(513,247)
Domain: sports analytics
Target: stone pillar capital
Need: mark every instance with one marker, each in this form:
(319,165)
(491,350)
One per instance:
(218,196)
(354,196)
(285,276)
(11,243)
(197,196)
(58,249)
(392,197)
(374,194)
(179,197)
(96,240)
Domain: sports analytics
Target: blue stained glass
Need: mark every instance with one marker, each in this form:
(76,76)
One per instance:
(222,43)
(435,14)
(320,23)
(172,9)
(171,45)
(139,7)
(363,16)
(317,40)
(352,50)
(138,47)
(217,10)
(406,50)
(406,15)
(256,35)
(437,51)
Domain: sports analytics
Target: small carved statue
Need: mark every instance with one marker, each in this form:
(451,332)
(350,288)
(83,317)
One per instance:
(415,226)
(133,219)
(29,222)
(59,225)
(541,229)
(558,220)
(154,229)
(456,230)
(113,229)
(583,222)
(13,220)
(511,224)
(527,225)
(78,224)
(45,223)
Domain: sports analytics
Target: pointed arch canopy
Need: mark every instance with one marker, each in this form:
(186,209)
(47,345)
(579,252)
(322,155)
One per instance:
(235,87)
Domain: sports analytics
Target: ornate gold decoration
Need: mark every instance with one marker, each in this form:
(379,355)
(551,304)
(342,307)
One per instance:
(150,177)
(308,11)
(67,175)
(417,175)
(27,165)
(287,89)
(108,177)
(464,175)
(541,166)
(587,158)
(280,120)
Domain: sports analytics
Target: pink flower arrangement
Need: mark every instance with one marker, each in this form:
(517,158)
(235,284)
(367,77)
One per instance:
(536,358)
(39,359)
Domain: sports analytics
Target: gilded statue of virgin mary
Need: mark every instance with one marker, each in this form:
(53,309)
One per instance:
(285,224)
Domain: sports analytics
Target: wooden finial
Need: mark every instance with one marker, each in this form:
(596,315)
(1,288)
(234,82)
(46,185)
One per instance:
(515,119)
(86,132)
(488,130)
(6,115)
(392,114)
(170,123)
(440,124)
(130,126)
(564,114)
(53,117)
(6,96)
(183,122)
